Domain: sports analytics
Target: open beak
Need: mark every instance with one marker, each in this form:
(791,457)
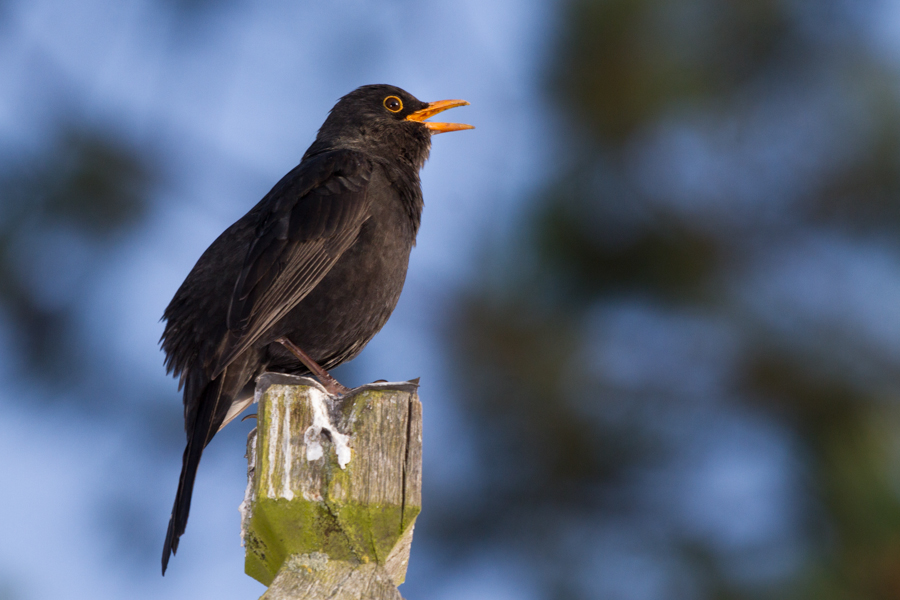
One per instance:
(434,108)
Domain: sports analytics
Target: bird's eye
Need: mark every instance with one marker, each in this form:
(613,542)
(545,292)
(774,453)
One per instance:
(393,104)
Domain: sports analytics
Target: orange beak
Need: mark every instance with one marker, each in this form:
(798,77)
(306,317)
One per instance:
(434,108)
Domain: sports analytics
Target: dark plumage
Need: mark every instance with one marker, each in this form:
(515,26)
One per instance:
(320,261)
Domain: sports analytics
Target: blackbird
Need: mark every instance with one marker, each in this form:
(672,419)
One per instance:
(303,281)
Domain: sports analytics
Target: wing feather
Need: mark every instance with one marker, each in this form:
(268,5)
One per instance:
(314,219)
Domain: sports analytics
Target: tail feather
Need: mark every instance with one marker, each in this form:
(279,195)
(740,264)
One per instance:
(204,427)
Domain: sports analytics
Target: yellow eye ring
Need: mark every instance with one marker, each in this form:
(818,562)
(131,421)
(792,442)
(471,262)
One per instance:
(393,104)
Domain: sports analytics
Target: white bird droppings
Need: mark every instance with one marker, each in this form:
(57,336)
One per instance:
(321,422)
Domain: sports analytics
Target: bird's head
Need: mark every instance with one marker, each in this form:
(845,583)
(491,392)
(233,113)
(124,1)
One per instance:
(386,121)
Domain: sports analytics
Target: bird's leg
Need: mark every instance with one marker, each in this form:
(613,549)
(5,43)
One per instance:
(328,382)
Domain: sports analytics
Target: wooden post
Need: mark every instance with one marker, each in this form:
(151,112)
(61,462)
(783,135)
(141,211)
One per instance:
(334,488)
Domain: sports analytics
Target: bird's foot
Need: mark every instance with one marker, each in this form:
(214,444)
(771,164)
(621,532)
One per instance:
(331,385)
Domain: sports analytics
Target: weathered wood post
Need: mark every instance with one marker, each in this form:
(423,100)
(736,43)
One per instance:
(334,488)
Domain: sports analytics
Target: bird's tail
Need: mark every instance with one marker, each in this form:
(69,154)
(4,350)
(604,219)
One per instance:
(202,431)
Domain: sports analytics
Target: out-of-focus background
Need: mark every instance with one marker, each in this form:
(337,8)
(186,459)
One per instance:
(655,303)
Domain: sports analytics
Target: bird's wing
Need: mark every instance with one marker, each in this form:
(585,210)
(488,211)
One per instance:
(316,213)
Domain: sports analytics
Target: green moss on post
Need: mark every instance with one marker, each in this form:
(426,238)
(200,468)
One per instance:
(335,485)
